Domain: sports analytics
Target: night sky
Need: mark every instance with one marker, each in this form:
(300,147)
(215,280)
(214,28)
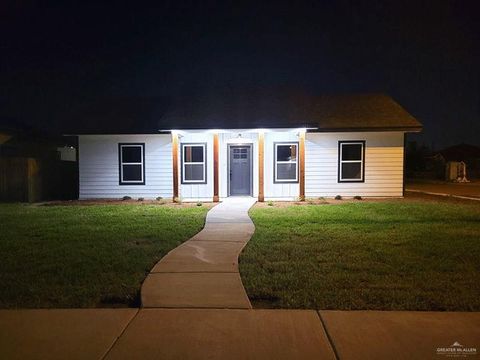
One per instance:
(426,55)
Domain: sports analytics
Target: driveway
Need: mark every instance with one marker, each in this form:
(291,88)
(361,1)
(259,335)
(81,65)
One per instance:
(471,189)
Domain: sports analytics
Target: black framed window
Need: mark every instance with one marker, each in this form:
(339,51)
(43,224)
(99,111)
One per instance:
(351,161)
(194,163)
(286,162)
(131,158)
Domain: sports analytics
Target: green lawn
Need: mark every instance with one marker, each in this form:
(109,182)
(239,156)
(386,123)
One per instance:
(389,255)
(85,256)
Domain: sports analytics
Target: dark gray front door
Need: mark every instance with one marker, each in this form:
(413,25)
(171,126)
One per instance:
(240,170)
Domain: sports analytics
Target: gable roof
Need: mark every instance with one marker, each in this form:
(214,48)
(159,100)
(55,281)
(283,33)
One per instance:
(291,110)
(361,112)
(247,110)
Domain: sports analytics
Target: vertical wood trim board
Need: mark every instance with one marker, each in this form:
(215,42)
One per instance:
(215,168)
(302,165)
(175,165)
(261,156)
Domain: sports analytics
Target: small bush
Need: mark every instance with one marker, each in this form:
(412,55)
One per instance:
(140,199)
(338,197)
(199,203)
(357,197)
(126,198)
(270,203)
(159,198)
(321,198)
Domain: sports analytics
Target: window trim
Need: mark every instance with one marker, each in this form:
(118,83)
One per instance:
(121,163)
(275,163)
(183,163)
(340,161)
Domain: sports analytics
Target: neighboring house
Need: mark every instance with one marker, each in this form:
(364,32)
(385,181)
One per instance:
(469,154)
(274,147)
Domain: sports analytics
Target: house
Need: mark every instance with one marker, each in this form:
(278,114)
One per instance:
(270,146)
(469,154)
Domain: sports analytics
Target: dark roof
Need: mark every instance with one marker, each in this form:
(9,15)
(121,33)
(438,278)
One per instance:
(287,110)
(243,110)
(358,112)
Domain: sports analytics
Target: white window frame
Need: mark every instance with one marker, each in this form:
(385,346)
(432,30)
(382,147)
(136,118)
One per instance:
(142,163)
(276,162)
(204,163)
(361,161)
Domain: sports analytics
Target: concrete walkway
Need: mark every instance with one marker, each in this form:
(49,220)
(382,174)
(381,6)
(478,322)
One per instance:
(203,271)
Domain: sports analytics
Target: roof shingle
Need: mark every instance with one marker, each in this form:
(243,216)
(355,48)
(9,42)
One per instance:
(246,110)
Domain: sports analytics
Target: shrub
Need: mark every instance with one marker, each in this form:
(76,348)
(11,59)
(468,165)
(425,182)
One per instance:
(199,203)
(357,197)
(126,198)
(159,198)
(270,203)
(140,199)
(338,197)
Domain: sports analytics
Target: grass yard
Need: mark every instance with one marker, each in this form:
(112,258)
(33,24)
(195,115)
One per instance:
(384,255)
(86,256)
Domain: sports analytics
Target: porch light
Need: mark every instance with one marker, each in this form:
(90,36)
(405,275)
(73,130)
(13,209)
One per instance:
(301,131)
(177,132)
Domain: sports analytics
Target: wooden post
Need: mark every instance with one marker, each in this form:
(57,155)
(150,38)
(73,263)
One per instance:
(175,165)
(33,182)
(261,155)
(215,168)
(302,165)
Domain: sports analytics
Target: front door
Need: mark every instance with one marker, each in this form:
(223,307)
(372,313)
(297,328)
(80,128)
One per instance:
(240,168)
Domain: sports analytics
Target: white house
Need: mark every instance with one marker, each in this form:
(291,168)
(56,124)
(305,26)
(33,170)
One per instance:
(272,148)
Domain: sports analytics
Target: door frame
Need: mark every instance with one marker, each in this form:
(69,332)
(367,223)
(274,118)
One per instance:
(250,146)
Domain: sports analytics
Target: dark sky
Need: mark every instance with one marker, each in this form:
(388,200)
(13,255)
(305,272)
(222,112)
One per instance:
(426,55)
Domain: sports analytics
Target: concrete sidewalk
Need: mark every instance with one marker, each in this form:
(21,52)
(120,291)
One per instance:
(203,271)
(234,334)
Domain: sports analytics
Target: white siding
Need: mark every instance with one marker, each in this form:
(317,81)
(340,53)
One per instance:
(278,191)
(196,192)
(99,168)
(383,165)
(99,178)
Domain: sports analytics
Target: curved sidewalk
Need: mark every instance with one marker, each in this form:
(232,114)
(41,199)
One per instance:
(203,271)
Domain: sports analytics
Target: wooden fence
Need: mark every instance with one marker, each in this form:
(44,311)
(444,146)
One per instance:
(20,179)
